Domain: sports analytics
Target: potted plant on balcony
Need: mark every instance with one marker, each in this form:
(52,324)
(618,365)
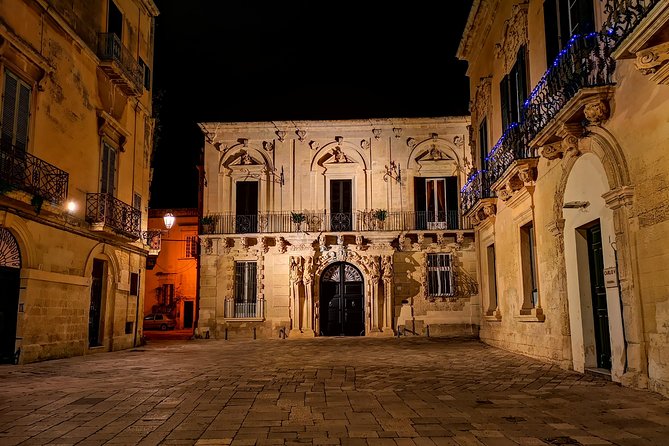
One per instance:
(207,224)
(297,218)
(379,216)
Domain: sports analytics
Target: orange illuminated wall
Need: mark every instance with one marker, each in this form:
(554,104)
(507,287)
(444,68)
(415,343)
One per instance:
(171,286)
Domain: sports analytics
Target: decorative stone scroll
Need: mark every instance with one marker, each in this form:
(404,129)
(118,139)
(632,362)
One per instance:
(515,35)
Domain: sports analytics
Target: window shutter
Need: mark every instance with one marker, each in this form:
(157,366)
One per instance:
(8,109)
(112,172)
(504,99)
(22,118)
(521,79)
(419,202)
(551,30)
(483,142)
(586,16)
(452,202)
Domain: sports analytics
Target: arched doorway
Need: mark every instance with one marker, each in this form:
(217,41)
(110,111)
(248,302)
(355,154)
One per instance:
(342,301)
(10,267)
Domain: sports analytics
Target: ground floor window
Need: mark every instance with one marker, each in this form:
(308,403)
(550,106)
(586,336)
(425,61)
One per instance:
(245,289)
(439,275)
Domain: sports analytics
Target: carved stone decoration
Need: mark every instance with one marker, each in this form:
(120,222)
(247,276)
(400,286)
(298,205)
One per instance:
(481,103)
(244,243)
(411,143)
(281,135)
(440,238)
(300,134)
(314,145)
(365,144)
(376,133)
(653,62)
(10,254)
(556,227)
(515,35)
(263,244)
(338,155)
(570,134)
(268,145)
(359,241)
(281,245)
(226,244)
(401,242)
(459,141)
(397,131)
(527,175)
(339,139)
(207,246)
(596,112)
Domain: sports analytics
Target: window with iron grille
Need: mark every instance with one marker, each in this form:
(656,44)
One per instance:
(439,275)
(245,289)
(191,246)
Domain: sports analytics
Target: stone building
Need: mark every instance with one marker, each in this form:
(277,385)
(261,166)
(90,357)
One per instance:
(569,197)
(75,148)
(347,227)
(171,276)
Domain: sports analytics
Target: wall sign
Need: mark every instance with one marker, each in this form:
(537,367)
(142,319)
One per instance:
(610,277)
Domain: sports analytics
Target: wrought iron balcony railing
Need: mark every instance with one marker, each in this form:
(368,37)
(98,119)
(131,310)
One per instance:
(23,171)
(103,211)
(244,310)
(477,188)
(623,16)
(127,73)
(359,221)
(586,62)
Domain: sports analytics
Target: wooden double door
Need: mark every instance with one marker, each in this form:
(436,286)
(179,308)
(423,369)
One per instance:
(342,301)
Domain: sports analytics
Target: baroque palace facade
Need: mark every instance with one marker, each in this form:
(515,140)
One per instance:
(569,111)
(76,139)
(349,227)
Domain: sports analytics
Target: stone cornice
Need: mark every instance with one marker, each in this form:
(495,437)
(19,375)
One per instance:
(477,28)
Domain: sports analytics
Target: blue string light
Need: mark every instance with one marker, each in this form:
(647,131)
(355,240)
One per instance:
(530,98)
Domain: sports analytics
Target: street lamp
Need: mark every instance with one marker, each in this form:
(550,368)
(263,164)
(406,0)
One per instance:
(168,218)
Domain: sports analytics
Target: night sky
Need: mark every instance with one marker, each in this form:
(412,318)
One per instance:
(296,60)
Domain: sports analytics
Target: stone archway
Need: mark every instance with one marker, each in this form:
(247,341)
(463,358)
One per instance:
(342,301)
(10,268)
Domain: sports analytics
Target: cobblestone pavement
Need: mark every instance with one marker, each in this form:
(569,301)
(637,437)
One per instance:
(323,391)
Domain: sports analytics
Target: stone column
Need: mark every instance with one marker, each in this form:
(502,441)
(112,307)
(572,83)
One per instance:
(295,264)
(308,312)
(388,294)
(374,276)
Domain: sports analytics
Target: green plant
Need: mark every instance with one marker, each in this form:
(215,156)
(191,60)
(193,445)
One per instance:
(379,214)
(36,202)
(5,187)
(297,217)
(208,220)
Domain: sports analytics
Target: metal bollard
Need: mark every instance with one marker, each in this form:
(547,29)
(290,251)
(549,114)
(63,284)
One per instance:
(254,332)
(398,331)
(427,328)
(226,334)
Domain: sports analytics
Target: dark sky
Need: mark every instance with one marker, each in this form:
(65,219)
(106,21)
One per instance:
(296,60)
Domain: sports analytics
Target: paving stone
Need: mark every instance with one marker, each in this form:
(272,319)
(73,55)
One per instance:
(323,391)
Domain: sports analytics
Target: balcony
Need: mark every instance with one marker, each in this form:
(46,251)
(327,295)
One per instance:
(640,29)
(108,214)
(244,310)
(476,189)
(119,64)
(315,221)
(22,171)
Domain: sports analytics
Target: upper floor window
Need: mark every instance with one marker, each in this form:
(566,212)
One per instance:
(108,169)
(191,246)
(436,201)
(114,20)
(563,19)
(146,73)
(439,275)
(529,266)
(15,112)
(483,142)
(513,91)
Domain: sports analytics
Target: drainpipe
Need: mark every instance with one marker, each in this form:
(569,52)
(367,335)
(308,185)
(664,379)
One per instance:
(139,281)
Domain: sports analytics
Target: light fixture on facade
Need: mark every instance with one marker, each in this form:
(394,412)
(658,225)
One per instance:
(71,206)
(168,218)
(576,205)
(393,171)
